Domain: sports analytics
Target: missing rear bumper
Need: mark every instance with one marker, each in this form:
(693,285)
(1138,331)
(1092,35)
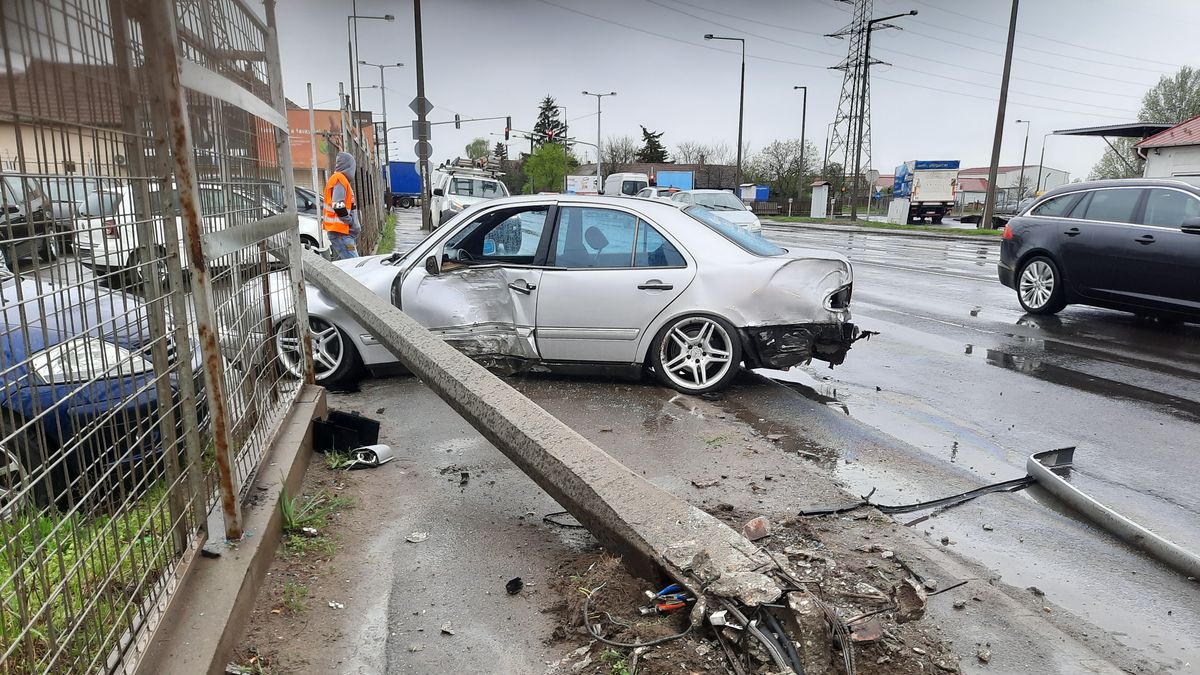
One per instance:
(791,345)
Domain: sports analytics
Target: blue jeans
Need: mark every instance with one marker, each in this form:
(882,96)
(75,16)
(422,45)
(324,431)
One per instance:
(343,246)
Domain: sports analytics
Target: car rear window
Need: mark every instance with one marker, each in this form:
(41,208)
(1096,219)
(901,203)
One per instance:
(1057,207)
(749,242)
(1114,206)
(100,204)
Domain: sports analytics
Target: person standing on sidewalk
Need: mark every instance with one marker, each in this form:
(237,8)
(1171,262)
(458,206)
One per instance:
(340,217)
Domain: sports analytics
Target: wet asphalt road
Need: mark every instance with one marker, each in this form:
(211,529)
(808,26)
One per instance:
(970,386)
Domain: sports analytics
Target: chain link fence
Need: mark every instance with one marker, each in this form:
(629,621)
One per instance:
(145,190)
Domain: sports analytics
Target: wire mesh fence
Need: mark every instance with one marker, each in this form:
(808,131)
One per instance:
(148,232)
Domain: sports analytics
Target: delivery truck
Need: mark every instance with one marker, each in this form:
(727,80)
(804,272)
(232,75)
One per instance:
(404,184)
(929,186)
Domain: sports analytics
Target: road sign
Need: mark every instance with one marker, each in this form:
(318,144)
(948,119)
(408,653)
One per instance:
(420,129)
(423,149)
(421,102)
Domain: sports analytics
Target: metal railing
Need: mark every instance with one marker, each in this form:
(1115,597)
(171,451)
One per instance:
(145,199)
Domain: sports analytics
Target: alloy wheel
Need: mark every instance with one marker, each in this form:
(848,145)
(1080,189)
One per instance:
(12,483)
(696,352)
(328,350)
(1037,284)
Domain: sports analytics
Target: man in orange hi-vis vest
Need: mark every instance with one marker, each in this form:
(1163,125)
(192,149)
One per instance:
(340,218)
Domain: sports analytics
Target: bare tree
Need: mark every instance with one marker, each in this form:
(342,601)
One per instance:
(694,152)
(778,165)
(619,150)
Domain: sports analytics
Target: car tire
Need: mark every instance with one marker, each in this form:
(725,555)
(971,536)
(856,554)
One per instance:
(308,242)
(157,258)
(336,362)
(696,354)
(936,220)
(20,462)
(1040,286)
(406,202)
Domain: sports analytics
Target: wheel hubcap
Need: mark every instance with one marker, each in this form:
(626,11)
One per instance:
(12,481)
(326,347)
(696,352)
(1037,284)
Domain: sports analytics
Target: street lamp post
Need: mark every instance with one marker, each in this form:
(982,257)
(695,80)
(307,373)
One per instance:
(1041,160)
(737,179)
(803,121)
(1024,152)
(599,160)
(862,104)
(352,48)
(383,95)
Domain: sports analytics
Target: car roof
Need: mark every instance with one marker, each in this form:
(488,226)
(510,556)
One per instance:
(1123,182)
(708,191)
(598,200)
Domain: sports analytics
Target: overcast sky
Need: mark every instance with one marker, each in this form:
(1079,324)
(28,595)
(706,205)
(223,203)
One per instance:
(1077,63)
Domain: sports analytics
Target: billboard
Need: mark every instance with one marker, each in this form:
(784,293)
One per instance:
(675,179)
(328,128)
(583,185)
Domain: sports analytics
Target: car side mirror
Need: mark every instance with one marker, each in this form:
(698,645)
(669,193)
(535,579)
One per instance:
(1191,225)
(439,192)
(431,266)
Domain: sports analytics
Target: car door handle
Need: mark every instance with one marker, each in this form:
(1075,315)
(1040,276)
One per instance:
(1145,239)
(1072,232)
(655,285)
(524,287)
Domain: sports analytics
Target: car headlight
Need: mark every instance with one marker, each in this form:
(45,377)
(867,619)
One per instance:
(457,205)
(87,358)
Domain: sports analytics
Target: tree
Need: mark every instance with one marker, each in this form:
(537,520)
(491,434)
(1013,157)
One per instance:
(1025,185)
(652,151)
(1174,99)
(548,124)
(477,149)
(500,151)
(547,168)
(778,165)
(692,152)
(619,150)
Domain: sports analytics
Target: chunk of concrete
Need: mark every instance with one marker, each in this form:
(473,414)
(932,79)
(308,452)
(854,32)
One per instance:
(811,630)
(756,528)
(751,588)
(910,600)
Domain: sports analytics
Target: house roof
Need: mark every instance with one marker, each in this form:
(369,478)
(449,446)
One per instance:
(885,181)
(77,94)
(972,185)
(1131,130)
(1185,133)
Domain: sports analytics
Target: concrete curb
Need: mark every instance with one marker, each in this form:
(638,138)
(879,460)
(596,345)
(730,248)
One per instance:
(205,619)
(917,234)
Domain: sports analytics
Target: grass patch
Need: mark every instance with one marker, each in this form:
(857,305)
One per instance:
(295,597)
(56,569)
(969,231)
(337,460)
(387,238)
(616,662)
(309,511)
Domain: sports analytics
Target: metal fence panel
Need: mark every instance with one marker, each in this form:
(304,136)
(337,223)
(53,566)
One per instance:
(148,350)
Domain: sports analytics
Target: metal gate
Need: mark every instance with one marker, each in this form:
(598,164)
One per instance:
(148,309)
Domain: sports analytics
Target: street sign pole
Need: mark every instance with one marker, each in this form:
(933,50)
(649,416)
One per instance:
(421,106)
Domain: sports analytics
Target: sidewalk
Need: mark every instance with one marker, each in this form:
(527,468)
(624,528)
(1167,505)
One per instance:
(394,598)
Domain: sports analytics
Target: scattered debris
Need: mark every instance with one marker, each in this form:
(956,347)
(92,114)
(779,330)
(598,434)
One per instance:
(869,630)
(447,629)
(334,604)
(887,555)
(910,600)
(987,528)
(415,647)
(701,484)
(984,655)
(310,532)
(945,541)
(751,588)
(464,477)
(960,604)
(1036,591)
(918,650)
(370,456)
(776,437)
(757,528)
(514,585)
(417,537)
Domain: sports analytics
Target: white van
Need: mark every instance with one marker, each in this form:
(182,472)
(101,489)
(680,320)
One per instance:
(627,184)
(455,189)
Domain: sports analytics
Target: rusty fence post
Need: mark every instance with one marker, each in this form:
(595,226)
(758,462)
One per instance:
(162,39)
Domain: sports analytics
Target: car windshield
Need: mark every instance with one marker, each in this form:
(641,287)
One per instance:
(477,187)
(718,201)
(100,203)
(751,243)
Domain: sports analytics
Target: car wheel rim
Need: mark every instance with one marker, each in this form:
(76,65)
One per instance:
(326,346)
(1037,284)
(12,483)
(696,352)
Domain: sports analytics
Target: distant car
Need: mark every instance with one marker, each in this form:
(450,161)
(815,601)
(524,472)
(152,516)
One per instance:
(569,282)
(107,238)
(308,202)
(77,382)
(627,184)
(456,189)
(25,221)
(663,193)
(1131,245)
(724,204)
(63,195)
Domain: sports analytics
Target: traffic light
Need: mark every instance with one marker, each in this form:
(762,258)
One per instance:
(457,121)
(507,127)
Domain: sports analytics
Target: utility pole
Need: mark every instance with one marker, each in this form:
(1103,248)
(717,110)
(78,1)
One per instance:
(862,107)
(312,141)
(1024,152)
(737,179)
(599,160)
(1041,161)
(803,121)
(383,95)
(423,128)
(989,204)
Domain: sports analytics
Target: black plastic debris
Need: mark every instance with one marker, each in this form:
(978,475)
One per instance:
(344,431)
(514,585)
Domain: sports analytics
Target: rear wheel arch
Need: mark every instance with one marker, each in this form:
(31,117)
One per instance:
(1043,253)
(646,340)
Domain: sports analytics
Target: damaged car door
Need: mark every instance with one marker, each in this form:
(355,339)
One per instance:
(478,290)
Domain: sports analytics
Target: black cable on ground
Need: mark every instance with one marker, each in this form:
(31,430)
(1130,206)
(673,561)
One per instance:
(587,622)
(782,637)
(550,518)
(953,500)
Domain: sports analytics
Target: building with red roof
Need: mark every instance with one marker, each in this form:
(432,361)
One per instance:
(1174,153)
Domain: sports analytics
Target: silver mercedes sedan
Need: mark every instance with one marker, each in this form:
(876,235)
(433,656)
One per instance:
(569,282)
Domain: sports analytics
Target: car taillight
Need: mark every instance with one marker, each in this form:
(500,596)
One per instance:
(110,229)
(1008,231)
